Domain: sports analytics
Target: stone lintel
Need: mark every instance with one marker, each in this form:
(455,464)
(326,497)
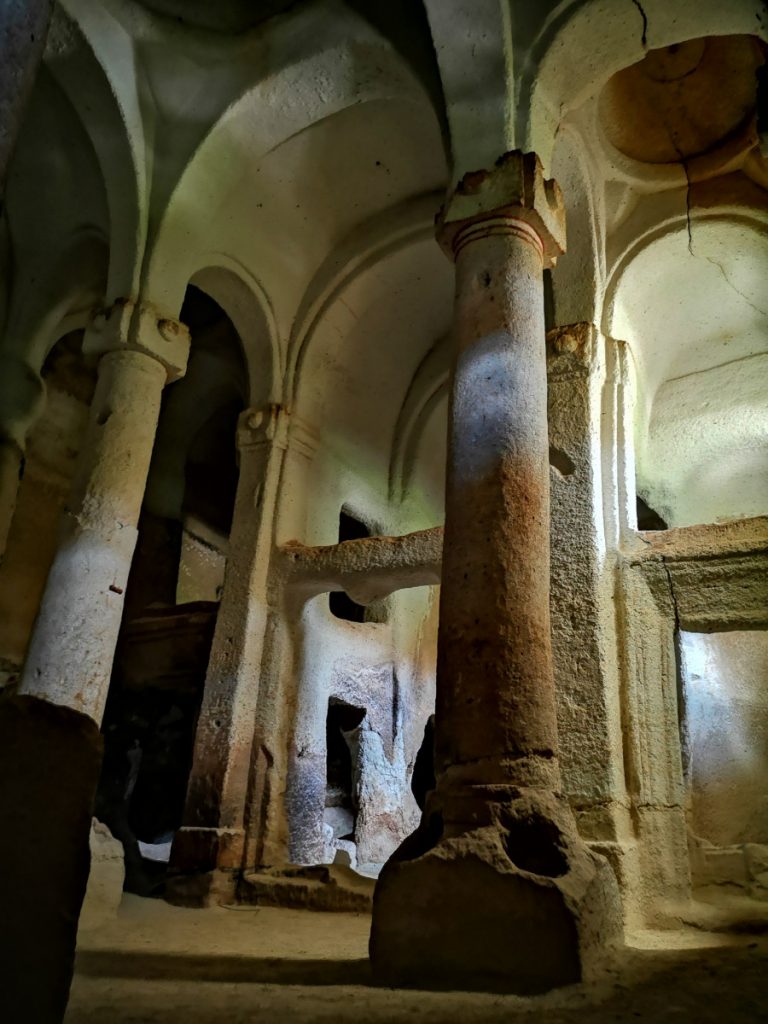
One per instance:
(705,541)
(514,189)
(366,569)
(709,577)
(138,327)
(571,351)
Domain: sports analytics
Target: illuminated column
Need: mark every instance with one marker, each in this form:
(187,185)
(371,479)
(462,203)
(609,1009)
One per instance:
(496,890)
(70,656)
(21,399)
(211,843)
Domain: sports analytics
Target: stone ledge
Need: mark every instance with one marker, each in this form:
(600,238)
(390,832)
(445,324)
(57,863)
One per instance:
(330,887)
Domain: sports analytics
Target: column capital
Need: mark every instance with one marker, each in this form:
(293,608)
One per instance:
(262,425)
(572,350)
(512,197)
(130,326)
(277,426)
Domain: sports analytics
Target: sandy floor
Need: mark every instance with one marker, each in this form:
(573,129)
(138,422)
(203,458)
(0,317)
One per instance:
(164,964)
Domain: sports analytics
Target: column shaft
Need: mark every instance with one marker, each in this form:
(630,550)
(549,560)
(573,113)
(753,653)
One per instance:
(213,834)
(496,889)
(495,706)
(69,661)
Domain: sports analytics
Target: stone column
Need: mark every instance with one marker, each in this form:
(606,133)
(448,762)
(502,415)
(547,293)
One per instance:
(21,400)
(496,890)
(583,579)
(50,746)
(69,661)
(208,850)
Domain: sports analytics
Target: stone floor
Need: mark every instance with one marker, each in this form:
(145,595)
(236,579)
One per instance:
(157,963)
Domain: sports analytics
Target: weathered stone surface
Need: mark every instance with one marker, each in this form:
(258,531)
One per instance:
(496,887)
(86,585)
(717,572)
(515,904)
(387,812)
(367,569)
(23,29)
(324,887)
(105,879)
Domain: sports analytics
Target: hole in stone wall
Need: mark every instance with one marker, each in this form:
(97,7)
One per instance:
(560,462)
(341,604)
(535,845)
(648,518)
(341,724)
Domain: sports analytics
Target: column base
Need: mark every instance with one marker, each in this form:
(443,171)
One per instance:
(205,866)
(202,889)
(50,759)
(508,900)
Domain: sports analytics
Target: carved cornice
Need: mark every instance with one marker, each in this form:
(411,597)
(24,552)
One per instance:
(513,197)
(138,327)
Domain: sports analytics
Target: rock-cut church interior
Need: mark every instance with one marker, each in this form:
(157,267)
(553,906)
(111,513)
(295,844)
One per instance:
(383,511)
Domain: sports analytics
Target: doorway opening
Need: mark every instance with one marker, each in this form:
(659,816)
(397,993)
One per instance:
(341,725)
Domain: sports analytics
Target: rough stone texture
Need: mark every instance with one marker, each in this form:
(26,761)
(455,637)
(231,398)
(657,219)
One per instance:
(582,582)
(104,891)
(717,572)
(23,28)
(324,887)
(51,446)
(653,762)
(88,577)
(516,903)
(387,812)
(49,761)
(368,569)
(217,792)
(529,903)
(323,257)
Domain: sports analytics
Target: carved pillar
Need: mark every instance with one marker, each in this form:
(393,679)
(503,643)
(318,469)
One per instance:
(210,846)
(496,889)
(70,656)
(50,746)
(583,600)
(21,399)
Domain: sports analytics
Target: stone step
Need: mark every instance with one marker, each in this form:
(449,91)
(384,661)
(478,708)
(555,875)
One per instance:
(329,887)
